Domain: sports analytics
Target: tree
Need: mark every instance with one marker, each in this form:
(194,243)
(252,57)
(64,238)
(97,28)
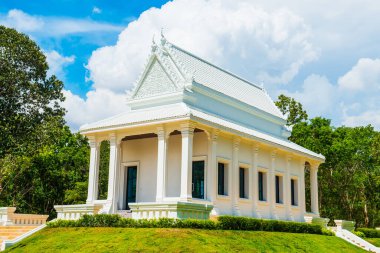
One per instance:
(40,159)
(28,98)
(292,109)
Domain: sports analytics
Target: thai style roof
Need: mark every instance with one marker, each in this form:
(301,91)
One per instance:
(225,82)
(174,78)
(184,66)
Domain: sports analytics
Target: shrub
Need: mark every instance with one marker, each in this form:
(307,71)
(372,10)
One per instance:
(245,223)
(360,234)
(224,222)
(327,232)
(370,232)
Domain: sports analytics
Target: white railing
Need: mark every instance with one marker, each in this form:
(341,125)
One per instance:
(181,210)
(8,217)
(352,238)
(74,212)
(7,243)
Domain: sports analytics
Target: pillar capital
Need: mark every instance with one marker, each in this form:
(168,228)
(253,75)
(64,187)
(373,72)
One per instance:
(162,132)
(255,148)
(236,142)
(188,128)
(113,138)
(274,153)
(92,141)
(289,157)
(213,134)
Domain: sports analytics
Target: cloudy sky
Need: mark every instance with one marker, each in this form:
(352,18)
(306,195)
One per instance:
(324,53)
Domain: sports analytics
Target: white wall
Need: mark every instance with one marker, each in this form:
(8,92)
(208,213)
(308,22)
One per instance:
(144,151)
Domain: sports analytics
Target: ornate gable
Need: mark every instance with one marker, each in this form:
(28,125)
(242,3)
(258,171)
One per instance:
(155,81)
(163,74)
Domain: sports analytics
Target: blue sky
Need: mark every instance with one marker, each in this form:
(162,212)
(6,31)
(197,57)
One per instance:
(326,55)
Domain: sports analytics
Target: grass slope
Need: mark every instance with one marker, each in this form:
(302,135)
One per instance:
(176,240)
(374,241)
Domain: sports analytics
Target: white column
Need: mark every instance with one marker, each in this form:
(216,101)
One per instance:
(187,131)
(212,166)
(113,172)
(287,189)
(314,188)
(271,186)
(235,177)
(161,163)
(254,181)
(93,177)
(301,188)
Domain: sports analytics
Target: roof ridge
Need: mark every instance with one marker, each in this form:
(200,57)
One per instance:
(213,65)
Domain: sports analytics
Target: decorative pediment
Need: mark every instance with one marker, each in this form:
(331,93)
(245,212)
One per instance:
(154,81)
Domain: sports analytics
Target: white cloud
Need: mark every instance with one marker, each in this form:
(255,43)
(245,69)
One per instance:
(43,26)
(57,62)
(318,95)
(367,117)
(96,10)
(97,105)
(259,45)
(364,76)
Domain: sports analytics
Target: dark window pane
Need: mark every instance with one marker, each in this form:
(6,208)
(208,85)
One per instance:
(221,179)
(241,183)
(292,192)
(277,189)
(261,187)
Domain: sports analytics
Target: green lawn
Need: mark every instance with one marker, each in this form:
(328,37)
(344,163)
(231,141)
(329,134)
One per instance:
(176,240)
(374,241)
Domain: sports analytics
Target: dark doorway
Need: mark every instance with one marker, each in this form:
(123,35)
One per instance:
(131,184)
(198,181)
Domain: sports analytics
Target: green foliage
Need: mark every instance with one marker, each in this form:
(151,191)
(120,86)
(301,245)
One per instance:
(77,195)
(28,98)
(224,223)
(35,182)
(292,109)
(349,187)
(370,232)
(358,233)
(103,169)
(327,232)
(245,223)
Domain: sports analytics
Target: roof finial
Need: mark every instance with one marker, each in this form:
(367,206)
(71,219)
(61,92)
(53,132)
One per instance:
(154,46)
(163,39)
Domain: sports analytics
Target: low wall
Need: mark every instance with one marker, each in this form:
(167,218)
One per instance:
(8,217)
(74,212)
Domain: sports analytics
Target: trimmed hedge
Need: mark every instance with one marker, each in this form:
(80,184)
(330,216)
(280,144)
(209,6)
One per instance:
(370,232)
(245,223)
(224,223)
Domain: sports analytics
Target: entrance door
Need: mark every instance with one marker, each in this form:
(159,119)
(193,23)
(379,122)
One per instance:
(198,180)
(131,184)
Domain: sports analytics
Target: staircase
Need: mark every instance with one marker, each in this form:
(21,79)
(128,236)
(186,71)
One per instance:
(356,240)
(12,232)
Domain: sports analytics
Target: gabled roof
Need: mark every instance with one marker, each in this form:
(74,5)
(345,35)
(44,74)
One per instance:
(183,66)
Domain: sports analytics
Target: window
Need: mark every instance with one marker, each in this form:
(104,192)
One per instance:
(279,191)
(262,184)
(294,191)
(222,179)
(243,183)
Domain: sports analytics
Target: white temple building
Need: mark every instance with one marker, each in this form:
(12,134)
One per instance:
(198,141)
